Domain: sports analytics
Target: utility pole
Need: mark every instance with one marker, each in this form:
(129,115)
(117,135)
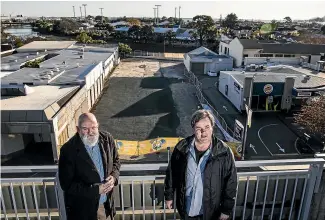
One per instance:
(247,124)
(85,10)
(175,12)
(179,15)
(74,12)
(80,13)
(101,13)
(157,12)
(154,11)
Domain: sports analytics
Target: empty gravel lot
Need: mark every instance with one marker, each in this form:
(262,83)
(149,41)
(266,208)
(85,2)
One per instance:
(145,99)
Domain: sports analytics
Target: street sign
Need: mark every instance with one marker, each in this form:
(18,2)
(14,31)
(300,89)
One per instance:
(239,130)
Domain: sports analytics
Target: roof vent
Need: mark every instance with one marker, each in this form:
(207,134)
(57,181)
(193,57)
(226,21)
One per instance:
(26,56)
(63,62)
(81,56)
(37,53)
(45,50)
(78,65)
(57,69)
(16,61)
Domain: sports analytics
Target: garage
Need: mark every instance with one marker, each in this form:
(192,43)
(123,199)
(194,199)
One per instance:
(197,68)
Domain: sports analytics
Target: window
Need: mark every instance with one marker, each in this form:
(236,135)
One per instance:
(245,55)
(226,92)
(256,55)
(278,55)
(225,50)
(220,48)
(288,55)
(266,55)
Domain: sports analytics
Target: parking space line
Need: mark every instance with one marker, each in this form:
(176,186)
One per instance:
(296,145)
(259,136)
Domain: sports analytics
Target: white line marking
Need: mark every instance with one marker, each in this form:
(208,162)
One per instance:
(280,148)
(253,147)
(259,136)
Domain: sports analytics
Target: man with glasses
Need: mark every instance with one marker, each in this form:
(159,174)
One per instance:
(89,168)
(202,174)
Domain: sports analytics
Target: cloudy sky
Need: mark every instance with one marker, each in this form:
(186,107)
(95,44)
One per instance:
(261,9)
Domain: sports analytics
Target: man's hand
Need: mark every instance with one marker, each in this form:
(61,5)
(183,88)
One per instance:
(169,204)
(223,217)
(111,181)
(104,188)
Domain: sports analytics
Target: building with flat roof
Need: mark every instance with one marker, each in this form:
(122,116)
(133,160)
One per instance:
(42,105)
(271,91)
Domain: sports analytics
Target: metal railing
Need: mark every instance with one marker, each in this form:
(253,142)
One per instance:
(198,85)
(263,193)
(155,55)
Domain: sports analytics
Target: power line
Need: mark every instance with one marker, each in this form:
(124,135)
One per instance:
(158,12)
(85,9)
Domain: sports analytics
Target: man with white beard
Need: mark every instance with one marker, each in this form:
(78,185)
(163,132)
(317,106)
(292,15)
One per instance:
(89,168)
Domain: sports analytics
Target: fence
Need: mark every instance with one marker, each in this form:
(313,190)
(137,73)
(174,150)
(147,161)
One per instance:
(198,85)
(310,66)
(155,55)
(262,193)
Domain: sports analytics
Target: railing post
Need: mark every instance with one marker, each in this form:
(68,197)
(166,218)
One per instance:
(314,173)
(60,198)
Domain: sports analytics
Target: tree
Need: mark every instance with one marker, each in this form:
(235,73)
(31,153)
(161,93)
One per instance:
(133,21)
(65,26)
(170,35)
(230,21)
(274,25)
(203,25)
(109,28)
(134,32)
(323,29)
(164,18)
(124,49)
(288,19)
(33,64)
(312,116)
(147,33)
(84,38)
(18,43)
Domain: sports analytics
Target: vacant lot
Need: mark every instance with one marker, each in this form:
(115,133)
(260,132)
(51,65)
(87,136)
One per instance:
(146,99)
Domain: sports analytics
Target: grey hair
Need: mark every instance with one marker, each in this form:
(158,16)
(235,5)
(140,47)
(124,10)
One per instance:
(83,117)
(201,114)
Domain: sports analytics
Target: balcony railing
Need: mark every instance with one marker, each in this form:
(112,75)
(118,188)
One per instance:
(265,191)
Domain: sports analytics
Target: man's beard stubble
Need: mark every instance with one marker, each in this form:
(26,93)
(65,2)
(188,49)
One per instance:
(90,140)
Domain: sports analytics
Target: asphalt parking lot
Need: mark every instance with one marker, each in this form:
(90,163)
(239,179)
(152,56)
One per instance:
(268,136)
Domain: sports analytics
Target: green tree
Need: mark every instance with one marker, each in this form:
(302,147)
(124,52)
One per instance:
(203,24)
(124,49)
(230,21)
(65,26)
(109,28)
(84,38)
(170,36)
(18,42)
(288,19)
(134,32)
(147,33)
(274,25)
(164,18)
(323,29)
(33,64)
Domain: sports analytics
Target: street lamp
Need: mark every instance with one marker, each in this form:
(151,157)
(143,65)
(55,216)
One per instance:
(249,115)
(158,12)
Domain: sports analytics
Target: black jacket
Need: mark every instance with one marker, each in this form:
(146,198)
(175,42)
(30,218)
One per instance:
(78,177)
(219,179)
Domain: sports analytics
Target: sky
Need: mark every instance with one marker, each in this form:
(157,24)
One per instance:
(259,9)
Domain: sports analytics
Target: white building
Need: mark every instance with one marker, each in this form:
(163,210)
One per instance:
(203,60)
(241,48)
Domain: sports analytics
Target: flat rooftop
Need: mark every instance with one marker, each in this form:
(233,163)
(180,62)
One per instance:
(46,45)
(42,97)
(72,57)
(273,77)
(14,61)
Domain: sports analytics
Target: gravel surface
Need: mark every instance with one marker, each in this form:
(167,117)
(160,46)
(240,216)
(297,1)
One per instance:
(141,103)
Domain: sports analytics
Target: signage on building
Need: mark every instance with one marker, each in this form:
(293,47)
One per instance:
(239,130)
(270,99)
(304,94)
(268,89)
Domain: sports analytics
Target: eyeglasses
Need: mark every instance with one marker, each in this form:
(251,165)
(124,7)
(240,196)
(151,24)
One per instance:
(202,130)
(85,129)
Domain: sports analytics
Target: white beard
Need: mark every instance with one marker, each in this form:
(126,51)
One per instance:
(90,140)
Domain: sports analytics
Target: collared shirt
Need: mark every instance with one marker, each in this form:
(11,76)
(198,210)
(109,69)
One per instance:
(194,182)
(94,153)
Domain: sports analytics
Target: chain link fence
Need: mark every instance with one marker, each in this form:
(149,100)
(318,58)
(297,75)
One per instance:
(198,85)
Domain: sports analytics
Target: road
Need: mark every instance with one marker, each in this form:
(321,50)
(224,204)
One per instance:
(268,135)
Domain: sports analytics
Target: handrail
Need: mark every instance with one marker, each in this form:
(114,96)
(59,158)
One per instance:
(163,166)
